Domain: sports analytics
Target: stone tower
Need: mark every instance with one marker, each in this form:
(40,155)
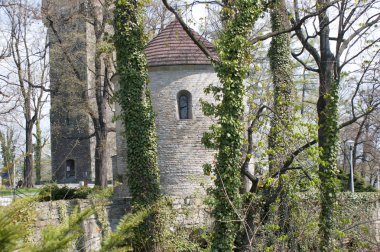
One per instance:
(179,72)
(72,52)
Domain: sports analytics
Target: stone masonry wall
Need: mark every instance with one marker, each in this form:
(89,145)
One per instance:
(73,83)
(180,151)
(363,210)
(68,118)
(107,217)
(189,213)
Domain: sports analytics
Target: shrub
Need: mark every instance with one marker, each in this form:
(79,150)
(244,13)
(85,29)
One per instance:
(359,183)
(54,192)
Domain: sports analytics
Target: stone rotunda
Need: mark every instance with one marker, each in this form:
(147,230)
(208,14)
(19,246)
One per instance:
(179,72)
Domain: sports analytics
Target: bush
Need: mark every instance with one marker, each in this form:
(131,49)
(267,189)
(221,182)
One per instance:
(360,185)
(54,192)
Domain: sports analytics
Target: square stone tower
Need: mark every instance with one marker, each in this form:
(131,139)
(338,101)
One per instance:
(72,54)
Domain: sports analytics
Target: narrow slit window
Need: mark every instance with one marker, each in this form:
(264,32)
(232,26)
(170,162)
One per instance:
(67,118)
(184,105)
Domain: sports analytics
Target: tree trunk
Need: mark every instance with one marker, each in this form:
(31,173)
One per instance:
(38,151)
(28,174)
(8,153)
(100,123)
(232,68)
(366,150)
(281,131)
(101,154)
(139,121)
(283,98)
(327,110)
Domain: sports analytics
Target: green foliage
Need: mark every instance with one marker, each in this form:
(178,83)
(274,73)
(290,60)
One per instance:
(59,238)
(7,152)
(25,191)
(54,192)
(282,121)
(100,198)
(234,49)
(354,220)
(100,193)
(359,183)
(14,223)
(18,222)
(174,237)
(328,140)
(121,239)
(138,117)
(133,96)
(281,135)
(179,237)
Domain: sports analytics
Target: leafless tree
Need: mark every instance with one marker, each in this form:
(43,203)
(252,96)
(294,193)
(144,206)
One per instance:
(156,17)
(27,73)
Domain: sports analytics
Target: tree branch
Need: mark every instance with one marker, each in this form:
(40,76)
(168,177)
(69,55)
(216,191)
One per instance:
(190,33)
(295,26)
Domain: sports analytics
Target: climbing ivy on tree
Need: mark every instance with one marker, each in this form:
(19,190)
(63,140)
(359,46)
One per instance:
(327,109)
(226,136)
(283,87)
(39,145)
(7,144)
(282,120)
(137,114)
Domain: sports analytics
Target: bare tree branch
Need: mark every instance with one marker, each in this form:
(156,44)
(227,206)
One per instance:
(190,33)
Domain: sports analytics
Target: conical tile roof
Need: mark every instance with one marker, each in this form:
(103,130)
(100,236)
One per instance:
(172,46)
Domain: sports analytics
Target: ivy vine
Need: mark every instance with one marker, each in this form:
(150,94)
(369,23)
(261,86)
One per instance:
(234,49)
(137,113)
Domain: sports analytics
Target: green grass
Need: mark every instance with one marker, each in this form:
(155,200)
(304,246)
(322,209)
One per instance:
(27,191)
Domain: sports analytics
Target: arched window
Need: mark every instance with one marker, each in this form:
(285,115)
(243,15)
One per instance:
(70,168)
(184,104)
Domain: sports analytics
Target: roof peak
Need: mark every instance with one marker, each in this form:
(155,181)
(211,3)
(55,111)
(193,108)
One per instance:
(173,46)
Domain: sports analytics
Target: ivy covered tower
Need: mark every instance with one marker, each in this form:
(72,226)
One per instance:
(179,72)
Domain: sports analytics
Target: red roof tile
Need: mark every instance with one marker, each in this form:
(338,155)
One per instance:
(172,46)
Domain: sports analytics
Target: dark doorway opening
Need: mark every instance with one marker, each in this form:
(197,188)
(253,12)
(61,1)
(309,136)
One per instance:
(70,168)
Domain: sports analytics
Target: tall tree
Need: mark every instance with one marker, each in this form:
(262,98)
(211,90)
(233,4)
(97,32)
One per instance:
(282,120)
(327,108)
(39,100)
(40,143)
(283,88)
(99,14)
(8,153)
(233,48)
(28,73)
(137,115)
(353,21)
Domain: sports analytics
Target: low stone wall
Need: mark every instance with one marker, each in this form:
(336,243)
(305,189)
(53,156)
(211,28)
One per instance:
(189,212)
(359,218)
(106,218)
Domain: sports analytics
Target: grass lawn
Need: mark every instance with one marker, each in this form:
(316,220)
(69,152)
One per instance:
(26,191)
